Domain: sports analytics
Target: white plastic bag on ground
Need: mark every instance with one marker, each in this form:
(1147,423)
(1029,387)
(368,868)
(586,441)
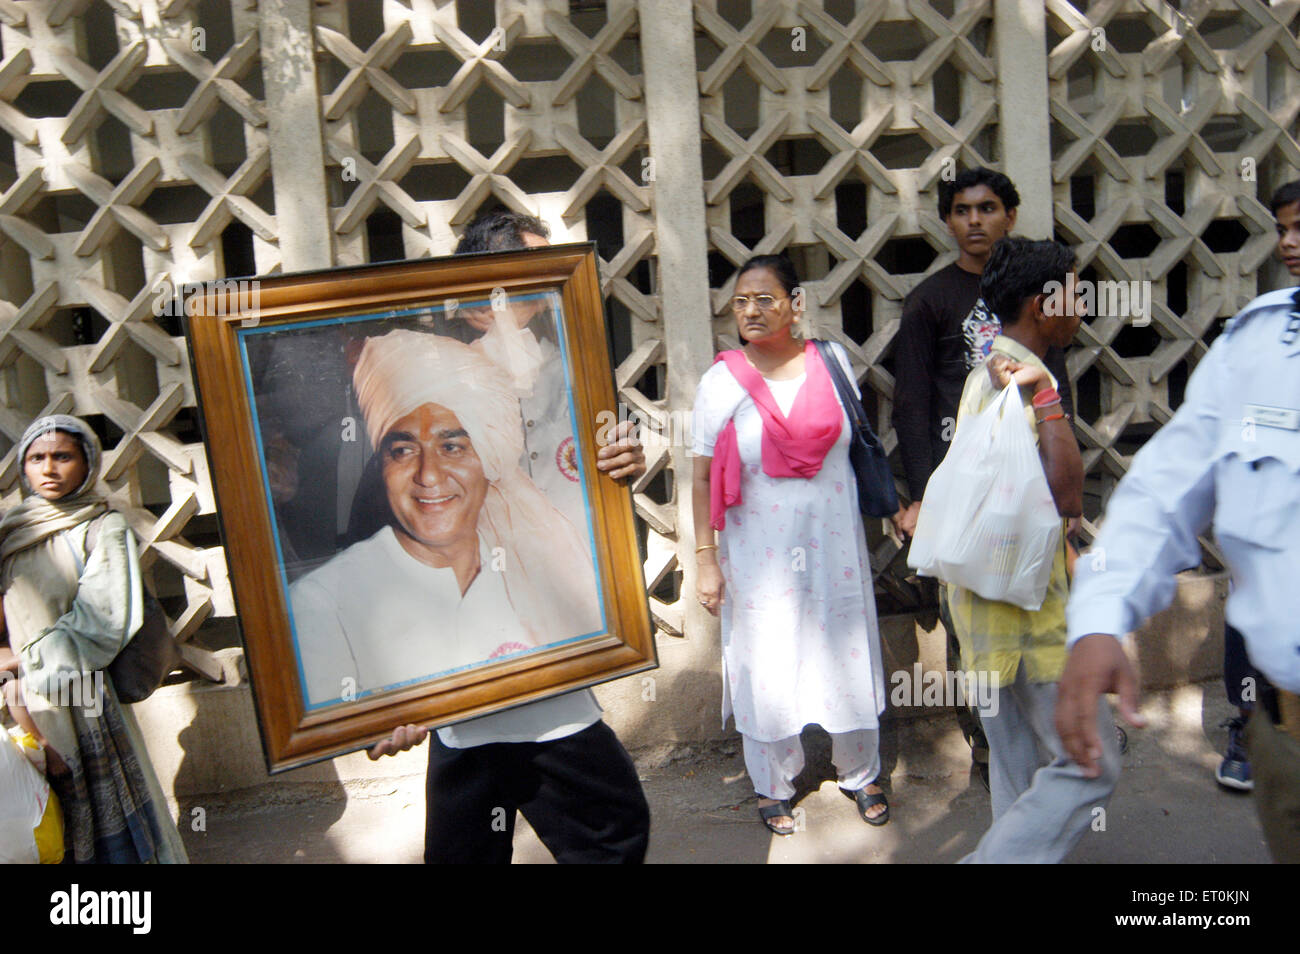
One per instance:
(24,793)
(988,521)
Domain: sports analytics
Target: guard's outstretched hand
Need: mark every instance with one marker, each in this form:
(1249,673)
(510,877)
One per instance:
(1097,665)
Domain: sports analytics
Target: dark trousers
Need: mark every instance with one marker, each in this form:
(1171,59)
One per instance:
(1237,670)
(1275,763)
(581,794)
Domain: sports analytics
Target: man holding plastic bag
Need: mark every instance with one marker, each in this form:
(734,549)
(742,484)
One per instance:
(992,526)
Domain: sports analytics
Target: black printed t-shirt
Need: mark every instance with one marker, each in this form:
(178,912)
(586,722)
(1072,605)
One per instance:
(945,331)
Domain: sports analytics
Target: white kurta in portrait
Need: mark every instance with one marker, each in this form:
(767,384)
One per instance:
(800,640)
(377,616)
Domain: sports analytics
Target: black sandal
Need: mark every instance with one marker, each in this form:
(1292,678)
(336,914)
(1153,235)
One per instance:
(867,800)
(767,812)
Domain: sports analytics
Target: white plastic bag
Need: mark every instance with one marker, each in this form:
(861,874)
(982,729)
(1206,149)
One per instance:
(24,793)
(988,521)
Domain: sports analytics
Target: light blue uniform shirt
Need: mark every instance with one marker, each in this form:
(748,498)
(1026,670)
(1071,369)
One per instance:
(1231,456)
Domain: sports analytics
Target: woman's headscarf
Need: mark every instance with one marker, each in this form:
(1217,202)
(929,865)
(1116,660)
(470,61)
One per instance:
(548,570)
(37,518)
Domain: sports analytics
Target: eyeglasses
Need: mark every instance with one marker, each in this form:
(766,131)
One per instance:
(765,303)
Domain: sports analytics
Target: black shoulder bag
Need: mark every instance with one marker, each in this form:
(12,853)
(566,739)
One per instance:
(877,496)
(150,655)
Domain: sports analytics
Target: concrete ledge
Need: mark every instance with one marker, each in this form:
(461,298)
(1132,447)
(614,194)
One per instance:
(204,742)
(1177,647)
(1184,644)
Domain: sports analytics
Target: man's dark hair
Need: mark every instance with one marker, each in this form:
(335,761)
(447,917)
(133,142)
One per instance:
(1020,268)
(1001,186)
(1285,196)
(778,265)
(500,230)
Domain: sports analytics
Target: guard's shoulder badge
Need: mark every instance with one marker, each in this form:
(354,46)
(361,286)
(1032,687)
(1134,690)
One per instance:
(1282,302)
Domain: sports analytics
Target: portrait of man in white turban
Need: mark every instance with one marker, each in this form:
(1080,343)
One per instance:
(473,564)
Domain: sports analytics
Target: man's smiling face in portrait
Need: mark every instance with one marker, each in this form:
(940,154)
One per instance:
(435,483)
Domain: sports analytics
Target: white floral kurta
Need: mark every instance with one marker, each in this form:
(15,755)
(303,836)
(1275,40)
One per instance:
(800,640)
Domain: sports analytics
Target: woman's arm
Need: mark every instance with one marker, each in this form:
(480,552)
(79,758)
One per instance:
(708,575)
(716,400)
(104,615)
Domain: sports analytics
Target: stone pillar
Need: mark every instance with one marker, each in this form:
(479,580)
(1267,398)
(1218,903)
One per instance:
(295,133)
(673,117)
(1020,29)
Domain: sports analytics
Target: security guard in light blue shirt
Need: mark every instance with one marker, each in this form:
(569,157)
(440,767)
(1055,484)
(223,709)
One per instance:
(1229,457)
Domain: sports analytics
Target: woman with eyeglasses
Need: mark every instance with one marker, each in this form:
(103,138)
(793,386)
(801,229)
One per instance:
(788,571)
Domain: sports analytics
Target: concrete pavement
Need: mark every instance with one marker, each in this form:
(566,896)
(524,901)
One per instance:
(1167,808)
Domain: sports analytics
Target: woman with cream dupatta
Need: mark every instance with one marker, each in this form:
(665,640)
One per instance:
(69,608)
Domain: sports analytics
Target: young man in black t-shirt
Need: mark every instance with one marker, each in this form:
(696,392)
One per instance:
(946,330)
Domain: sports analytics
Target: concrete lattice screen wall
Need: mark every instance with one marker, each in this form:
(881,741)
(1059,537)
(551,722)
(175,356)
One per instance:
(142,139)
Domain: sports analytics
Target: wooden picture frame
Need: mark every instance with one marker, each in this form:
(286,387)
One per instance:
(283,362)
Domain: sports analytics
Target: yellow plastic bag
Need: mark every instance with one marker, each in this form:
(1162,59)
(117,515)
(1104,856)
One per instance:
(31,821)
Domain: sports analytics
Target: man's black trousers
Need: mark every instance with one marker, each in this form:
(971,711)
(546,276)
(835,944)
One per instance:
(581,794)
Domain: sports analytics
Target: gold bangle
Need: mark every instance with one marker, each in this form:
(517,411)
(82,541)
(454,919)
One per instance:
(707,546)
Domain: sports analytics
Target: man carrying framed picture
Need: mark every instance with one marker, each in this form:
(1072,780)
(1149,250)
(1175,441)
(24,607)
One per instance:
(555,760)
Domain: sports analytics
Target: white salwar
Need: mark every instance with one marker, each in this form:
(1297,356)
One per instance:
(772,766)
(800,639)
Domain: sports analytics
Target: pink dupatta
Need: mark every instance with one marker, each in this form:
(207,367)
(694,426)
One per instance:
(793,446)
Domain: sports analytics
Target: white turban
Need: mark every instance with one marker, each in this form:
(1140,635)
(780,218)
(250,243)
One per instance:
(548,570)
(403,370)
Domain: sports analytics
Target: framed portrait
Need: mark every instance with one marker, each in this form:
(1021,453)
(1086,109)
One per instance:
(404,462)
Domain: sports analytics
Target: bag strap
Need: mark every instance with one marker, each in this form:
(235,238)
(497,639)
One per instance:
(852,406)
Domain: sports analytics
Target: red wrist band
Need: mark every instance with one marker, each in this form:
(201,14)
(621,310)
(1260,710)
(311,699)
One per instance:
(1051,417)
(1045,397)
